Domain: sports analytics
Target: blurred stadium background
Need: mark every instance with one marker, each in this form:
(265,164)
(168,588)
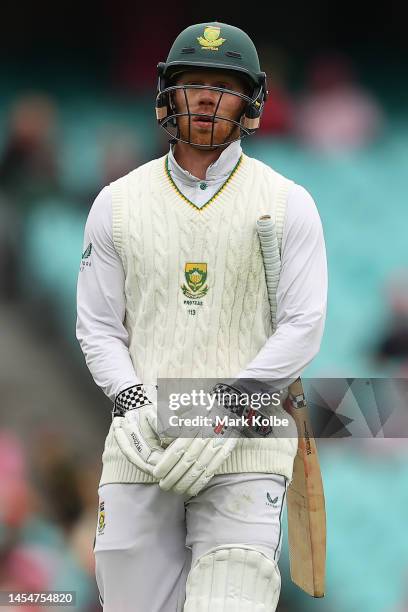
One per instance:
(77,93)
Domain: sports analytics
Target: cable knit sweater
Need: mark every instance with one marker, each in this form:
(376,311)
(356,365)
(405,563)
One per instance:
(158,233)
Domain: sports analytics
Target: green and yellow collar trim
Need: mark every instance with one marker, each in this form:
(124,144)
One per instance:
(220,190)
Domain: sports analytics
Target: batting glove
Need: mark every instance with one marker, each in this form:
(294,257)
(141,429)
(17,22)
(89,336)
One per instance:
(135,428)
(188,464)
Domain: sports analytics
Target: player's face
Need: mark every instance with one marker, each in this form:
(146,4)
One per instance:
(205,101)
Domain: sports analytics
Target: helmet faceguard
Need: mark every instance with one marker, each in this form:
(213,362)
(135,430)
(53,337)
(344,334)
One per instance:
(167,114)
(242,62)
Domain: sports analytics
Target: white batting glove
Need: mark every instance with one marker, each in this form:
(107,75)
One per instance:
(188,464)
(135,428)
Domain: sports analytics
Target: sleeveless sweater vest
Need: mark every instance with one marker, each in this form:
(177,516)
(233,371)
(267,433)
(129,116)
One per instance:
(196,295)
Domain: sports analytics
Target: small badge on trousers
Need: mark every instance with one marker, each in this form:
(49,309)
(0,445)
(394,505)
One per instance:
(101,518)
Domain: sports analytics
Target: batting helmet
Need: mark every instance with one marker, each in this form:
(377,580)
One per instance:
(218,46)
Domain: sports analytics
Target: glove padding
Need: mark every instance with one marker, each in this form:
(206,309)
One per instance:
(135,433)
(188,464)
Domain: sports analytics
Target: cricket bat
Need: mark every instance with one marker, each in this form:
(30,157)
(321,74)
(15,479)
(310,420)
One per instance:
(305,502)
(305,498)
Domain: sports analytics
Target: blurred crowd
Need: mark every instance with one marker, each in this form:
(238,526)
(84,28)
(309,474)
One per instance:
(47,518)
(332,114)
(48,493)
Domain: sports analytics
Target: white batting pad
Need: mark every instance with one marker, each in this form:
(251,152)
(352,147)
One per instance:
(233,579)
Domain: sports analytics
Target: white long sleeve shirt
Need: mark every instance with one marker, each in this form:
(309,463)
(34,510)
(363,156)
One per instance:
(301,294)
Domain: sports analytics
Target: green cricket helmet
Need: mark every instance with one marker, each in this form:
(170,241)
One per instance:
(216,46)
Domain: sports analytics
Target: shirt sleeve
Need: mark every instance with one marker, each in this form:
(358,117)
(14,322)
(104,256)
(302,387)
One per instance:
(301,296)
(101,333)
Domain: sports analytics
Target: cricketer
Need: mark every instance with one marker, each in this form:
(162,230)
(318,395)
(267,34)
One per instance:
(174,288)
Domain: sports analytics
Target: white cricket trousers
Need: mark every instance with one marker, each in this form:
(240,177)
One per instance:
(147,539)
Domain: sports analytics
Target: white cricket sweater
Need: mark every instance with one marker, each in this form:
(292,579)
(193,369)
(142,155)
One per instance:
(301,295)
(158,234)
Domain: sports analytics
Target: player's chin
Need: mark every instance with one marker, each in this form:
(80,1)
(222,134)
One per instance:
(206,138)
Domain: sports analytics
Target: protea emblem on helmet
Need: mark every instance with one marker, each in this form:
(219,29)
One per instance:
(195,275)
(211,39)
